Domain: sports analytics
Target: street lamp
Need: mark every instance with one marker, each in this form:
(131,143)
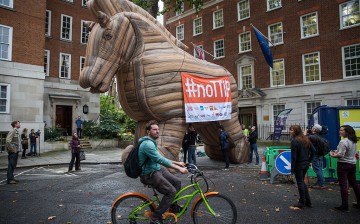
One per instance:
(85,109)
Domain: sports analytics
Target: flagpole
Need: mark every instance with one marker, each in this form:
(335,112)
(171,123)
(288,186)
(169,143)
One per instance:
(262,34)
(204,51)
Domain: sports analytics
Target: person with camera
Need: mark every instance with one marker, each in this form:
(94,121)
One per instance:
(33,136)
(317,162)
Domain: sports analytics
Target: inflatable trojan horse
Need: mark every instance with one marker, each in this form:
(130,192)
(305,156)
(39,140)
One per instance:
(127,42)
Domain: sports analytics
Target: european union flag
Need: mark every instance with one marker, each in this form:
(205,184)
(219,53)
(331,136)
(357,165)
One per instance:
(264,47)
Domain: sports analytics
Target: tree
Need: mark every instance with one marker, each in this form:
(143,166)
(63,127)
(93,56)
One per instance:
(176,5)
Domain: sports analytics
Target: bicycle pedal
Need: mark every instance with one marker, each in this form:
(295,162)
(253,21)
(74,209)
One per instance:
(170,216)
(148,214)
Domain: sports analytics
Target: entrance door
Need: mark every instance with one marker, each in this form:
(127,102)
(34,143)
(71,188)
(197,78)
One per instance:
(247,116)
(64,118)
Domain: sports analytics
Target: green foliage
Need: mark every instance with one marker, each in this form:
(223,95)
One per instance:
(113,121)
(54,134)
(175,6)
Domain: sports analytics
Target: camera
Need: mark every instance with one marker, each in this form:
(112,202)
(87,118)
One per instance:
(38,133)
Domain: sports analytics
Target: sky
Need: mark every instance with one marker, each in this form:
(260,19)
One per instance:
(160,18)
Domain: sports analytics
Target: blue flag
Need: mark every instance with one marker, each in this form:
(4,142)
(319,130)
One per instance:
(264,47)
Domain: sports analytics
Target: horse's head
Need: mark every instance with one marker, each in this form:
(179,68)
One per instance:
(110,45)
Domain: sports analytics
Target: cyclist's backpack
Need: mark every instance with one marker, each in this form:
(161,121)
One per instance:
(131,165)
(325,145)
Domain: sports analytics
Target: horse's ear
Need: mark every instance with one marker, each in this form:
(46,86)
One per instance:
(89,24)
(102,19)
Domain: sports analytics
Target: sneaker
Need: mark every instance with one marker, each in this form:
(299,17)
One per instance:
(356,205)
(342,209)
(175,208)
(155,220)
(11,182)
(226,169)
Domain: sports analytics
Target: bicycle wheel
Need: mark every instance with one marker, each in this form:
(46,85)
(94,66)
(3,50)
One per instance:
(125,205)
(224,208)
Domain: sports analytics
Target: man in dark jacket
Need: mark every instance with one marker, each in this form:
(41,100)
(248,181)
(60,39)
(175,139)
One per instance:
(192,134)
(253,146)
(224,145)
(317,162)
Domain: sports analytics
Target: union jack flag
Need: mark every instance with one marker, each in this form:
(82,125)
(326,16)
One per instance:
(199,52)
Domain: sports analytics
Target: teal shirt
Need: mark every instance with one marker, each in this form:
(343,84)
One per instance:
(148,152)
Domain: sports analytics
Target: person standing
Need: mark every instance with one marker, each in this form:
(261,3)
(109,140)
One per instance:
(317,162)
(12,147)
(75,153)
(79,123)
(24,142)
(156,176)
(224,145)
(346,166)
(185,144)
(302,152)
(192,144)
(253,146)
(32,137)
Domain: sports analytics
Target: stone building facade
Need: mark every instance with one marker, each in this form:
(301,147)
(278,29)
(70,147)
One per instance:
(315,47)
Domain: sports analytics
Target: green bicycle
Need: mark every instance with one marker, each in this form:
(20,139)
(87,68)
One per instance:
(209,207)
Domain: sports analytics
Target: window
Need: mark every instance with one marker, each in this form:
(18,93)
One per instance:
(311,67)
(351,61)
(310,107)
(181,10)
(246,77)
(309,25)
(277,109)
(83,3)
(244,42)
(218,19)
(353,102)
(84,33)
(197,26)
(65,66)
(180,32)
(4,98)
(276,33)
(82,63)
(196,54)
(219,49)
(66,27)
(46,62)
(7,3)
(48,23)
(278,73)
(273,4)
(350,14)
(70,1)
(5,42)
(243,9)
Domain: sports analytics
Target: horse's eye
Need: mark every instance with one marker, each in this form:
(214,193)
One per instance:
(107,35)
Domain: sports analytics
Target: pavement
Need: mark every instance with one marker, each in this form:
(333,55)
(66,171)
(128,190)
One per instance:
(102,156)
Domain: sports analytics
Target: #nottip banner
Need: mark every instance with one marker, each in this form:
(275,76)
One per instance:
(206,99)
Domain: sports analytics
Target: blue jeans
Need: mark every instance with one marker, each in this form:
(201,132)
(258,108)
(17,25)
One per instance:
(32,148)
(317,165)
(191,155)
(253,148)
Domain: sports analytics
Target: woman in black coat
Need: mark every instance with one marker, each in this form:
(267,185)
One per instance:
(302,152)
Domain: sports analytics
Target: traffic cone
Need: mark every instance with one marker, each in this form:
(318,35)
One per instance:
(264,175)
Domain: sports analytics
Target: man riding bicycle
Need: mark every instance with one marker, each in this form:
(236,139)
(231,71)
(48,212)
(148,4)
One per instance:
(155,175)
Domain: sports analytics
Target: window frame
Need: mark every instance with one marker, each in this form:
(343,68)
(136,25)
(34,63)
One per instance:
(182,33)
(9,44)
(82,64)
(239,12)
(241,86)
(11,4)
(274,8)
(304,67)
(70,28)
(8,98)
(47,63)
(355,99)
(214,19)
(48,23)
(307,116)
(302,25)
(343,60)
(194,26)
(272,71)
(84,31)
(216,50)
(60,66)
(276,34)
(240,43)
(341,15)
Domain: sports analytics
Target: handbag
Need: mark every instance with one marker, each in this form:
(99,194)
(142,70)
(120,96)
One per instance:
(82,155)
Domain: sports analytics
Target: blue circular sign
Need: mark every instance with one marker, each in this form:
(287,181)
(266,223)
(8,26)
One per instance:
(283,163)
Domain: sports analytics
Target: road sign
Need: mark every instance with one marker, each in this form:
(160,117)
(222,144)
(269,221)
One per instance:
(283,163)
